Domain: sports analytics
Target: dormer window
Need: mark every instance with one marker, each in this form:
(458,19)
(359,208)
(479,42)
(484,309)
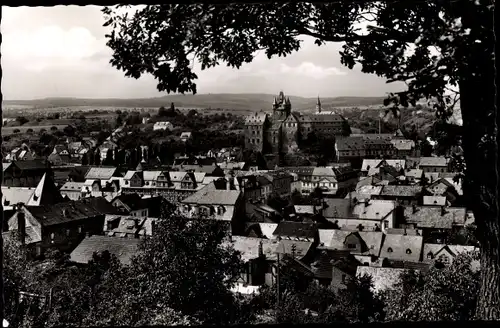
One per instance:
(389,250)
(408,251)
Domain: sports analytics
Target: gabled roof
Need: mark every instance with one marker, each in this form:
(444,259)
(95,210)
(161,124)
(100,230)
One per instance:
(100,173)
(337,238)
(213,197)
(14,195)
(373,240)
(337,208)
(433,161)
(258,118)
(324,260)
(34,164)
(296,229)
(72,186)
(401,190)
(151,175)
(435,217)
(71,211)
(123,248)
(249,247)
(132,201)
(268,229)
(369,190)
(373,209)
(46,193)
(299,248)
(401,247)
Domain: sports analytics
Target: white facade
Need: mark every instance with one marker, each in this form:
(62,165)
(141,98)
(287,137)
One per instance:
(163,126)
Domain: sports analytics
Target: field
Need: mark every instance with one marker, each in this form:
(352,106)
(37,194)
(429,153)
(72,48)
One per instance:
(228,102)
(8,130)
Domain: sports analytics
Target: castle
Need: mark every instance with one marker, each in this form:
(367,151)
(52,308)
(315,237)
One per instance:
(282,130)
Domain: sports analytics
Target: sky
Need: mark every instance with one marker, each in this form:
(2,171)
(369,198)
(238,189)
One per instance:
(61,52)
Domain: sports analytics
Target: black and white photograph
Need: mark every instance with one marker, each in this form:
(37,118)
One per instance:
(249,163)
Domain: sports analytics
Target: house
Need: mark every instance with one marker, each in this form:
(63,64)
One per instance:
(125,226)
(329,267)
(281,182)
(257,255)
(446,188)
(72,190)
(260,213)
(404,147)
(102,173)
(444,254)
(163,126)
(297,231)
(26,173)
(58,159)
(382,278)
(435,221)
(222,205)
(61,225)
(22,153)
(433,164)
(367,243)
(45,193)
(435,201)
(130,204)
(365,214)
(185,136)
(401,193)
(376,215)
(370,167)
(123,248)
(402,247)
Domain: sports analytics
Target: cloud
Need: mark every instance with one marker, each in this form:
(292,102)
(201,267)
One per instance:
(311,70)
(51,46)
(61,51)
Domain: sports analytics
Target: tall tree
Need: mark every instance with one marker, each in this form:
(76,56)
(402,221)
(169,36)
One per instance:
(429,45)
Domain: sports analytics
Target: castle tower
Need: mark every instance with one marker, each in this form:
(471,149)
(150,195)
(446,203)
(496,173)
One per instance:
(318,105)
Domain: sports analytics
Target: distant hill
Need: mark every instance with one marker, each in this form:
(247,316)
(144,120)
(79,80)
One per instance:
(236,102)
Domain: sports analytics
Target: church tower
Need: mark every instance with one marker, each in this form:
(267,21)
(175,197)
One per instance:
(318,106)
(282,107)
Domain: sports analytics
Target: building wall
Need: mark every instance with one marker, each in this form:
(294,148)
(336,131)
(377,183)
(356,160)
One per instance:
(72,194)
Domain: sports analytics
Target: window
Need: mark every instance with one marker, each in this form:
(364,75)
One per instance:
(80,229)
(68,232)
(389,250)
(386,224)
(430,256)
(408,251)
(52,235)
(351,245)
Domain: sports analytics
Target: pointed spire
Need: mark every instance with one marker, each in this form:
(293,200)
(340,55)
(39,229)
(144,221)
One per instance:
(318,105)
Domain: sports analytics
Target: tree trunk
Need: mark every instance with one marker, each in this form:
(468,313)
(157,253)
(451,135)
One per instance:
(481,185)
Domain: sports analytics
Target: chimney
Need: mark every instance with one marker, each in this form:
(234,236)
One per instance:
(21,226)
(261,249)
